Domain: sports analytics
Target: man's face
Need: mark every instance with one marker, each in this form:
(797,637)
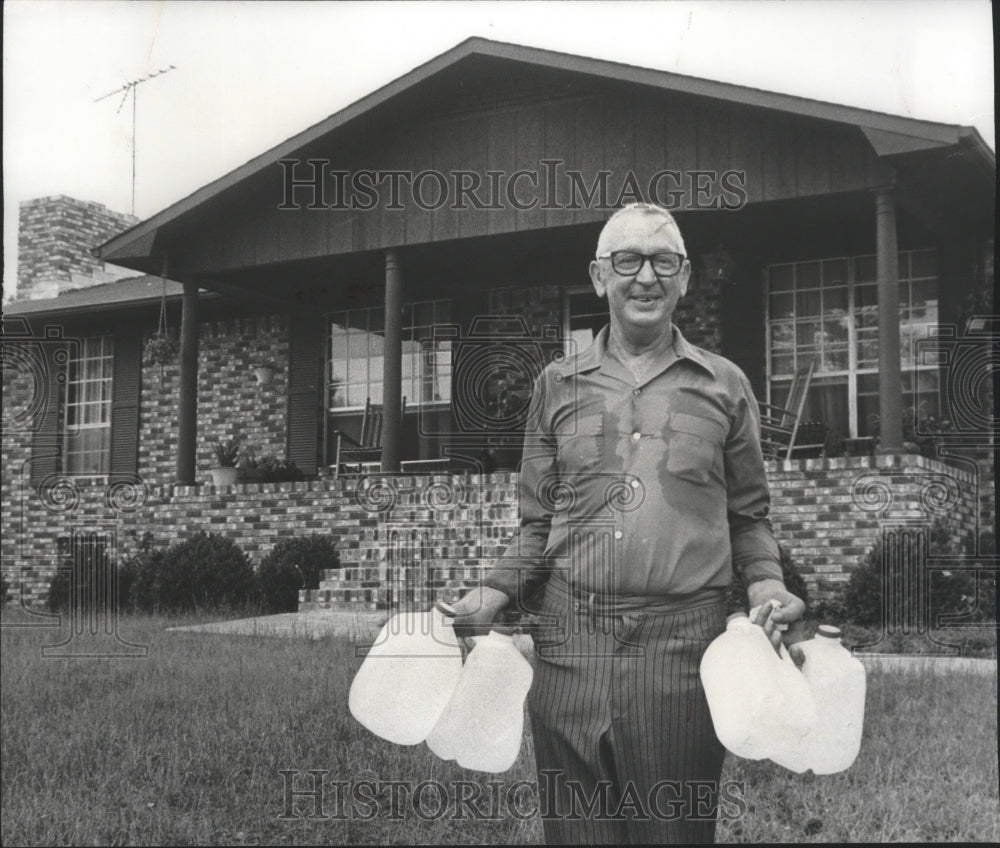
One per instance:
(642,304)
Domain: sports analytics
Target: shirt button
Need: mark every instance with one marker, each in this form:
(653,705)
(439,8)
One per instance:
(635,484)
(618,534)
(637,391)
(637,436)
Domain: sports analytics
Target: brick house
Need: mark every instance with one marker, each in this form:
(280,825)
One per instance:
(426,248)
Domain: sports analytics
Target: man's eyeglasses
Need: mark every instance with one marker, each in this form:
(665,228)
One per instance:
(628,263)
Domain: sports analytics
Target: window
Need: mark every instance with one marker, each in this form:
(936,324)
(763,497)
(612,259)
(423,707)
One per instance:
(87,408)
(357,345)
(827,310)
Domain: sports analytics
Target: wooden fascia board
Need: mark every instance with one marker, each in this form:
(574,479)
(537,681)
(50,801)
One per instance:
(146,231)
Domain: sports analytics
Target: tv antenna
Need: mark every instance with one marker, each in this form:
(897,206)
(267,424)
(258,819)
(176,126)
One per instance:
(129,88)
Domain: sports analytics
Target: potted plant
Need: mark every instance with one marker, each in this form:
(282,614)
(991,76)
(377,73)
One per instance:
(227,453)
(265,371)
(247,468)
(274,469)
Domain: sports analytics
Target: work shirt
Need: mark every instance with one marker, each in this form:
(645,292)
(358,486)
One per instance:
(645,488)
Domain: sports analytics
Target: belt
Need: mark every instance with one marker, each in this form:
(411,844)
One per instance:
(597,603)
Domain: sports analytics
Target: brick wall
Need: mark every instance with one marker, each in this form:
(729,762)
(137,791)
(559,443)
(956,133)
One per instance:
(230,403)
(412,538)
(55,238)
(699,313)
(828,512)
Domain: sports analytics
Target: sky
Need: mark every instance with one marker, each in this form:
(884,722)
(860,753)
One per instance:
(248,75)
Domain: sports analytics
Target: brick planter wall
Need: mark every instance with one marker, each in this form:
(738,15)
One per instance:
(828,512)
(408,539)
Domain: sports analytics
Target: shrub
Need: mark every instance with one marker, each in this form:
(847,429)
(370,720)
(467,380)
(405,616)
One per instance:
(956,591)
(93,577)
(295,564)
(203,571)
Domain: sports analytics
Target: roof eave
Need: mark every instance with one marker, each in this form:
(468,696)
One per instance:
(934,133)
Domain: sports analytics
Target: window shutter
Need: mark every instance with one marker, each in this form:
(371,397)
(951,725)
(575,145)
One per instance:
(305,373)
(125,387)
(53,357)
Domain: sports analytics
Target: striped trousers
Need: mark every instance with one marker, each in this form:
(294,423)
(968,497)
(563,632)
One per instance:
(624,743)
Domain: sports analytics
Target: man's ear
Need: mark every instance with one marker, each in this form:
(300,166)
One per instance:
(684,276)
(595,278)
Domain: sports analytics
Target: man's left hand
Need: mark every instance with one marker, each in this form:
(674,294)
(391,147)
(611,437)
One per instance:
(790,612)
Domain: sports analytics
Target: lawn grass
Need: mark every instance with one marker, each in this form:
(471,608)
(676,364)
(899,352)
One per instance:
(187,745)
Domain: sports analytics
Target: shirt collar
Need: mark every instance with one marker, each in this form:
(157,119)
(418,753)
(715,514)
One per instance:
(596,355)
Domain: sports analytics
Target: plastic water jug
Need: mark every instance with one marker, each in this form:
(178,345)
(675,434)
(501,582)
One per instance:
(836,681)
(482,726)
(406,681)
(758,700)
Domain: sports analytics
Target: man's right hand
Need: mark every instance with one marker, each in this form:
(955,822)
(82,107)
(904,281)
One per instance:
(477,610)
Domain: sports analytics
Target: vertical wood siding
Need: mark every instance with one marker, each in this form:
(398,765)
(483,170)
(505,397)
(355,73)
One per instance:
(621,130)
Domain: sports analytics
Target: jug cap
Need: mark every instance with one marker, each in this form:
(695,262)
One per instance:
(829,631)
(736,619)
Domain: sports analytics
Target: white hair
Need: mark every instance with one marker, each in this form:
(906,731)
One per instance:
(646,208)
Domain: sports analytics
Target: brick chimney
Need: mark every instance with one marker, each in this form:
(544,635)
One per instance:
(55,238)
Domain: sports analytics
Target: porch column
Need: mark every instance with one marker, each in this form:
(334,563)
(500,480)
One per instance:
(187,412)
(890,383)
(392,386)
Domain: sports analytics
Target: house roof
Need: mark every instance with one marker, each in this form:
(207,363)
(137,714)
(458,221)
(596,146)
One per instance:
(888,134)
(130,292)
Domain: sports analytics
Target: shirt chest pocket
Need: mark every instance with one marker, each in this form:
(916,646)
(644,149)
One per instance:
(581,443)
(694,446)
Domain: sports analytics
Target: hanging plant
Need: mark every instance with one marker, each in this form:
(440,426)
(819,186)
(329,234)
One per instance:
(161,348)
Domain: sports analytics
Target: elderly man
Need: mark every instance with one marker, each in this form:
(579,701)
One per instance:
(642,490)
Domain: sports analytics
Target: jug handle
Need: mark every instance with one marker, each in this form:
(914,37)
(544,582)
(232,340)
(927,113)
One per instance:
(446,610)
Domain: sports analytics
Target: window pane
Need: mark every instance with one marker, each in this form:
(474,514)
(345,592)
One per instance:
(782,305)
(923,263)
(808,303)
(338,342)
(867,318)
(867,349)
(827,402)
(865,269)
(807,275)
(835,359)
(834,271)
(375,320)
(866,295)
(780,278)
(782,364)
(782,335)
(835,300)
(808,333)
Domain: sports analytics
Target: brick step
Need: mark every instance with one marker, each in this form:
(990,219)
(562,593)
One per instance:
(336,606)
